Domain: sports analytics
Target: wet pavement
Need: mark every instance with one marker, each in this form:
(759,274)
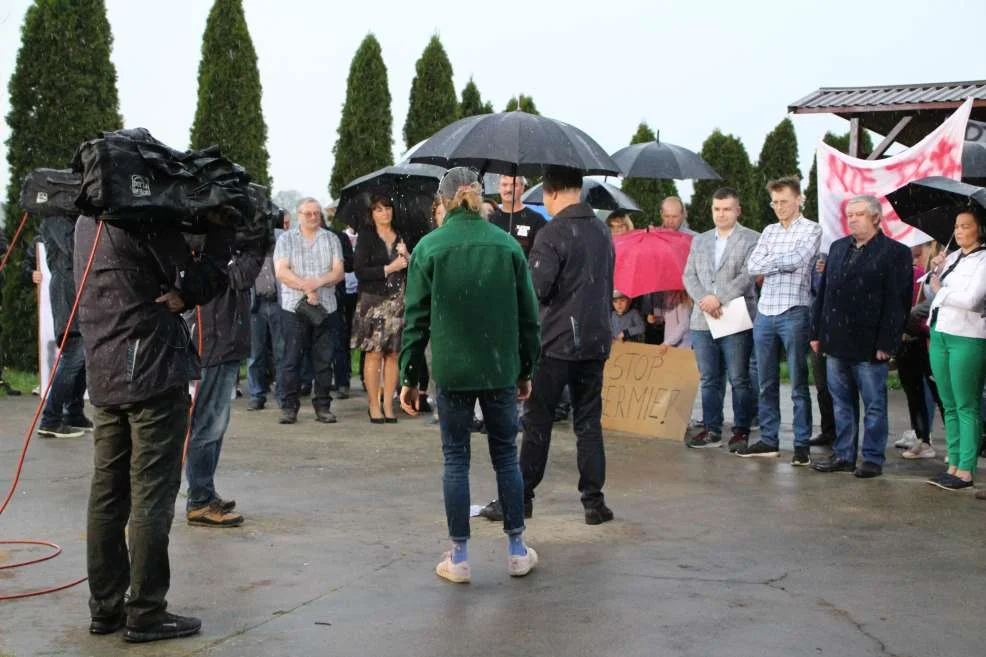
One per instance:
(709,554)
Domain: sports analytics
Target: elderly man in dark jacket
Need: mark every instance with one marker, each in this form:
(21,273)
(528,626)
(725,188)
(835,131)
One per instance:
(224,324)
(572,270)
(858,317)
(139,360)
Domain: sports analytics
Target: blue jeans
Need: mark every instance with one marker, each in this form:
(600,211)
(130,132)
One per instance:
(65,402)
(455,410)
(727,357)
(209,421)
(770,333)
(848,381)
(266,349)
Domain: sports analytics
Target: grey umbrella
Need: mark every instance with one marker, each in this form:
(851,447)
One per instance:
(660,161)
(974,162)
(599,195)
(514,143)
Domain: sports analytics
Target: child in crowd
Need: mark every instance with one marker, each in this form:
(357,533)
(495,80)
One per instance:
(625,322)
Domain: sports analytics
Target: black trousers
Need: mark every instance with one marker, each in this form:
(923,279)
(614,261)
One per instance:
(914,368)
(585,379)
(299,337)
(136,475)
(820,373)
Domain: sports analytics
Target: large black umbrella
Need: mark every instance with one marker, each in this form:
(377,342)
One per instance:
(974,161)
(660,161)
(406,184)
(599,195)
(930,204)
(514,143)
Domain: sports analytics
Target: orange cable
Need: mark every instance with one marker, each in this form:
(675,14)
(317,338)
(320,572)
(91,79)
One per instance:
(13,242)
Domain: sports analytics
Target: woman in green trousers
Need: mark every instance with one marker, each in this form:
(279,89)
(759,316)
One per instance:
(958,345)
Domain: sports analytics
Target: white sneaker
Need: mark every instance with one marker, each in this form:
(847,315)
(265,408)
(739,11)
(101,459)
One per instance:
(906,440)
(459,573)
(920,451)
(520,566)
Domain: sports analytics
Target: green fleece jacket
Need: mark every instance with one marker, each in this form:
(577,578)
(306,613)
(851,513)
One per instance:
(469,291)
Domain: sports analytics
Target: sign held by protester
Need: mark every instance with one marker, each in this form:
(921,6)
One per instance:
(649,390)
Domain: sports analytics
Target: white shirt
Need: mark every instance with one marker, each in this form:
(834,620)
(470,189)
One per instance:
(720,246)
(785,258)
(961,300)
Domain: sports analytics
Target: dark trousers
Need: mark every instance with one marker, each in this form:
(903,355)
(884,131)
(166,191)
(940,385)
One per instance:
(585,378)
(320,341)
(914,369)
(266,349)
(65,402)
(343,364)
(137,472)
(819,371)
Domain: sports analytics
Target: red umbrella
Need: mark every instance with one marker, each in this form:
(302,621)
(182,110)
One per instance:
(651,260)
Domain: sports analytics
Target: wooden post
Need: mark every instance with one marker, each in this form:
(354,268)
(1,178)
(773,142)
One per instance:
(890,138)
(854,136)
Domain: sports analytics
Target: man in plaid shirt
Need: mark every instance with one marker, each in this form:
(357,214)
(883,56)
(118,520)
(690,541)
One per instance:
(784,257)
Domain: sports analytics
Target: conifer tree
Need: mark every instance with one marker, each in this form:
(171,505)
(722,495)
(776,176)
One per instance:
(365,138)
(62,92)
(472,103)
(524,104)
(727,156)
(433,103)
(229,112)
(778,158)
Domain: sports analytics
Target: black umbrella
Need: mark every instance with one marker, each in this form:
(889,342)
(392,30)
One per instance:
(930,204)
(599,195)
(974,161)
(660,161)
(514,143)
(406,184)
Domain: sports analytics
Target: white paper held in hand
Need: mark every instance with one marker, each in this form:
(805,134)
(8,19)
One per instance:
(734,318)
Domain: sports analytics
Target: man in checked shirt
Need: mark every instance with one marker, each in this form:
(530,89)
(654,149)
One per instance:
(784,256)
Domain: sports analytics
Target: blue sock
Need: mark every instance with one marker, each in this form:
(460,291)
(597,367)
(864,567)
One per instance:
(460,552)
(515,545)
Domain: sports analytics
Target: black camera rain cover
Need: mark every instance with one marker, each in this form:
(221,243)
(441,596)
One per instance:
(51,191)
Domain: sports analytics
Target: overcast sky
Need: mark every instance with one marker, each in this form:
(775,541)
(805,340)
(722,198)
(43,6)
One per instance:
(684,67)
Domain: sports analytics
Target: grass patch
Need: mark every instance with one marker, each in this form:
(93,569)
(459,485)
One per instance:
(23,381)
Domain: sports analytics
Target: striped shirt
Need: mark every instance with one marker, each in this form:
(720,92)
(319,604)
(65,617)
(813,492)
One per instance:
(308,259)
(785,258)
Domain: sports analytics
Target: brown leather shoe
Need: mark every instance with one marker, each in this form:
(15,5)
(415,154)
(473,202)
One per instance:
(213,515)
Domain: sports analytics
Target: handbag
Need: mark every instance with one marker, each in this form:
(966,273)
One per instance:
(314,315)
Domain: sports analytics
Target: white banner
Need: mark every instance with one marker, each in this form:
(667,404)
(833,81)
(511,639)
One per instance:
(841,177)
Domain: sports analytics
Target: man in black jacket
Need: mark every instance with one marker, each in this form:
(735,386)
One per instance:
(63,415)
(139,360)
(572,270)
(858,318)
(224,324)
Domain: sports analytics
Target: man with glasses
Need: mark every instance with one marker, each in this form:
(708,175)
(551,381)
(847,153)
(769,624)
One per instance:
(785,256)
(308,263)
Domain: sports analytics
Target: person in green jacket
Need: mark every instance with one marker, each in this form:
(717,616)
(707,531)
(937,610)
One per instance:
(469,291)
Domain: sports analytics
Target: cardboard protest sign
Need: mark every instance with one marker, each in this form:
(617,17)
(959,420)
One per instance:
(649,390)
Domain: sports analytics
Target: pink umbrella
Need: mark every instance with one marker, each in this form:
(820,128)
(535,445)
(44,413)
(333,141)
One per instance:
(651,260)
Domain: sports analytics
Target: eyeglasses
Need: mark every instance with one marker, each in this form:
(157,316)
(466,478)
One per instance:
(313,213)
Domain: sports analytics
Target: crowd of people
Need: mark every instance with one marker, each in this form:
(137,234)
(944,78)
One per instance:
(299,311)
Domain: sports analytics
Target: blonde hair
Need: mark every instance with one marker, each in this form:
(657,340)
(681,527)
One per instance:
(469,197)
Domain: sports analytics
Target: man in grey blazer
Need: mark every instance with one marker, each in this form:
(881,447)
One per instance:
(716,274)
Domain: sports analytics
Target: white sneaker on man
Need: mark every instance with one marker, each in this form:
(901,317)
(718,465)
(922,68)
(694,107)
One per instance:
(906,440)
(520,566)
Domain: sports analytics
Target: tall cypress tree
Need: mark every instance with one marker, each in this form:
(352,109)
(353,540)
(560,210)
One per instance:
(727,155)
(838,142)
(647,193)
(778,157)
(472,103)
(433,103)
(365,140)
(229,112)
(523,103)
(62,92)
